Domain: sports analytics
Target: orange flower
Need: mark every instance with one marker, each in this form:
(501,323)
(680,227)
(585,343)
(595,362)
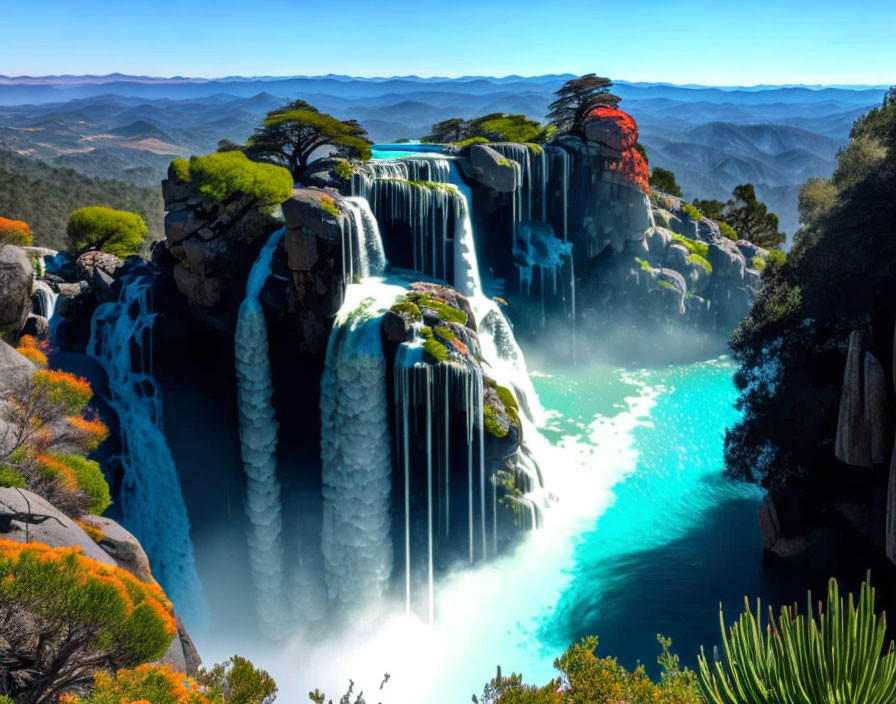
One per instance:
(34,354)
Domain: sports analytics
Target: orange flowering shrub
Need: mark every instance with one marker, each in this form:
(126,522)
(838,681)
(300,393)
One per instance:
(15,232)
(46,416)
(57,600)
(633,168)
(158,684)
(621,126)
(33,349)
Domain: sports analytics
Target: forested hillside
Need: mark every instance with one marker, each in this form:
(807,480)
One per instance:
(44,197)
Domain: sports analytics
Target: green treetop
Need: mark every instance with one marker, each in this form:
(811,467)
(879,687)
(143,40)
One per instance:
(117,232)
(576,99)
(290,135)
(664,180)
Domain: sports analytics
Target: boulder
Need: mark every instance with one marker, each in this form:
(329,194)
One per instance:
(56,531)
(877,410)
(103,286)
(90,262)
(122,547)
(611,127)
(206,291)
(310,208)
(16,279)
(492,170)
(15,370)
(726,260)
(748,249)
(301,249)
(775,542)
(677,258)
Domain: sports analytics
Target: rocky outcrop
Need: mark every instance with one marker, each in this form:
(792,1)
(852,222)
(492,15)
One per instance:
(16,276)
(491,169)
(15,370)
(89,263)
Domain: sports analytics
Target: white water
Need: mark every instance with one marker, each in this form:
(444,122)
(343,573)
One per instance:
(356,455)
(47,297)
(152,503)
(369,242)
(258,444)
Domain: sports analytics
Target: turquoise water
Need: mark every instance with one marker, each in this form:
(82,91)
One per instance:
(646,537)
(678,538)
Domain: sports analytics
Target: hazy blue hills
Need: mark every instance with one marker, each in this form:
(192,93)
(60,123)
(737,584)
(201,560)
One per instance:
(129,127)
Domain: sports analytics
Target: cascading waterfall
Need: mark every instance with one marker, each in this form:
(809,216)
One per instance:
(151,499)
(420,169)
(466,263)
(45,299)
(366,235)
(423,169)
(561,155)
(258,442)
(356,453)
(426,208)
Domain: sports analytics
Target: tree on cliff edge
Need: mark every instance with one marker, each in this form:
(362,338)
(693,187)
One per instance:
(291,134)
(578,97)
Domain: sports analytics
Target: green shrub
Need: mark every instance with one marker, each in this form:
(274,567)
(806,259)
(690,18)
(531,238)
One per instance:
(835,657)
(694,246)
(10,478)
(328,204)
(776,257)
(664,180)
(343,170)
(117,232)
(758,263)
(701,261)
(446,333)
(233,182)
(91,481)
(472,140)
(691,212)
(727,231)
(443,310)
(237,681)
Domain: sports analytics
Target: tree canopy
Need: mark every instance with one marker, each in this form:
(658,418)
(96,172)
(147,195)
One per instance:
(576,99)
(494,127)
(749,217)
(66,617)
(664,180)
(290,135)
(117,232)
(235,183)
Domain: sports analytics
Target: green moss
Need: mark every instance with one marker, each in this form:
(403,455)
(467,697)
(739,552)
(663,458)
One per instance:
(434,350)
(328,204)
(535,148)
(443,310)
(727,231)
(343,170)
(758,263)
(701,261)
(426,332)
(692,212)
(666,284)
(471,140)
(506,397)
(408,310)
(504,162)
(643,263)
(445,333)
(492,426)
(11,478)
(694,246)
(431,185)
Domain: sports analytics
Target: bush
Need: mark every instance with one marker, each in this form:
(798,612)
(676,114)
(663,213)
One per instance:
(117,232)
(343,170)
(587,679)
(238,681)
(836,657)
(758,263)
(776,257)
(691,212)
(56,600)
(147,684)
(694,246)
(727,231)
(235,184)
(15,232)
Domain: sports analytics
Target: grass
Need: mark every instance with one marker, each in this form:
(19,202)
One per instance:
(701,261)
(694,246)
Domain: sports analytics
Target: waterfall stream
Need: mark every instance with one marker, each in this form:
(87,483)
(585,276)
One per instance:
(151,499)
(258,442)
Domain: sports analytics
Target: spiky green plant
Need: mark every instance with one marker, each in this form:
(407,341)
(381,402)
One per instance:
(837,657)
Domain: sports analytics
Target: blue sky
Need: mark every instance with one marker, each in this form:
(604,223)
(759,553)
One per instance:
(692,41)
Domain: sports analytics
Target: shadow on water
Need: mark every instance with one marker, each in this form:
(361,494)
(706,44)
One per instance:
(674,589)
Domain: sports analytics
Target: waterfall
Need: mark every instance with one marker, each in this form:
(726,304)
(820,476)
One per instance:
(258,441)
(356,454)
(466,264)
(366,234)
(428,393)
(423,169)
(151,499)
(426,209)
(563,157)
(44,299)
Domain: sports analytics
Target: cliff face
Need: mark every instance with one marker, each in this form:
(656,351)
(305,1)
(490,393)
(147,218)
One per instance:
(579,242)
(817,369)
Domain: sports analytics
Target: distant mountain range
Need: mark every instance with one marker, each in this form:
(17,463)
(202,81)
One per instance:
(713,138)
